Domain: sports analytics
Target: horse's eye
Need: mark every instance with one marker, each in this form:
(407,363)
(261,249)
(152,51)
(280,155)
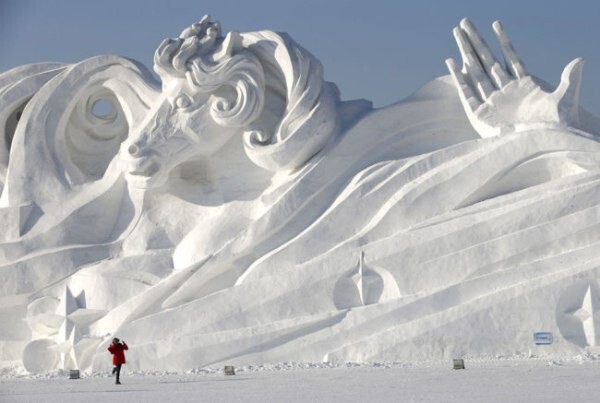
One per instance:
(182,102)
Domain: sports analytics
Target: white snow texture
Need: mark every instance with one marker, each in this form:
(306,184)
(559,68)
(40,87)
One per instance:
(238,212)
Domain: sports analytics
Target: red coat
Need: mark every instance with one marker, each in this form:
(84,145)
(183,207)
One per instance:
(118,352)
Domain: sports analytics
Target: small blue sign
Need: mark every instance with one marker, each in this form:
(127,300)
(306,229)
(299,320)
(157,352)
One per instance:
(541,338)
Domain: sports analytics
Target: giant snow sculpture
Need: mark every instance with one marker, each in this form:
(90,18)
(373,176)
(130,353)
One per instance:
(238,211)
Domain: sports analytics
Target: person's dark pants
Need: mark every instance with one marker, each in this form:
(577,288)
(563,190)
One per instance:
(117,370)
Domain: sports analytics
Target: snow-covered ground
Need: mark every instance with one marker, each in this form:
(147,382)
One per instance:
(504,380)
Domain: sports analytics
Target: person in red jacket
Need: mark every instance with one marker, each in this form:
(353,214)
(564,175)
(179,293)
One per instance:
(117,349)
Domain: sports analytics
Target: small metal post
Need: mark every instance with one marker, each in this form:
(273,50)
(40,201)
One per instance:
(458,363)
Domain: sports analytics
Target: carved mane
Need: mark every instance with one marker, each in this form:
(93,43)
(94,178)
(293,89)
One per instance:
(287,112)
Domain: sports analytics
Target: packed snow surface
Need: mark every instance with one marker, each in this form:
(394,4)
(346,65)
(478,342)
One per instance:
(487,381)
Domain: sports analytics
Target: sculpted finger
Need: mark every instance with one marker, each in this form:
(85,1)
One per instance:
(472,65)
(567,91)
(468,97)
(570,79)
(510,55)
(494,70)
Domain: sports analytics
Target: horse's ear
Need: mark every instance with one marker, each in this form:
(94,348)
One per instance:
(231,45)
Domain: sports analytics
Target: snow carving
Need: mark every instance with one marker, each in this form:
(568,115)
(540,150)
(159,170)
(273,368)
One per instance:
(501,100)
(368,282)
(579,317)
(59,335)
(260,86)
(373,285)
(588,314)
(40,356)
(18,86)
(215,216)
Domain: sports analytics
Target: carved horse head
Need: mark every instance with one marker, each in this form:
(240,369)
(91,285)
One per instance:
(260,85)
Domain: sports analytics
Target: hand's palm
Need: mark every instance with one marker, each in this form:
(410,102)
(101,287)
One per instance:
(499,100)
(520,102)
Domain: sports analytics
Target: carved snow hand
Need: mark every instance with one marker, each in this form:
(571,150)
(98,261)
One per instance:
(499,100)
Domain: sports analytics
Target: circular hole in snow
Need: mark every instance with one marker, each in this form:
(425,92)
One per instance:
(102,108)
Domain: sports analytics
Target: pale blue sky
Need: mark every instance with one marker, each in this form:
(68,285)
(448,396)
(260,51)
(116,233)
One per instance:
(379,50)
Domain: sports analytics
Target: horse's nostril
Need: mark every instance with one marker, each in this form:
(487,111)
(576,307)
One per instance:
(133,149)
